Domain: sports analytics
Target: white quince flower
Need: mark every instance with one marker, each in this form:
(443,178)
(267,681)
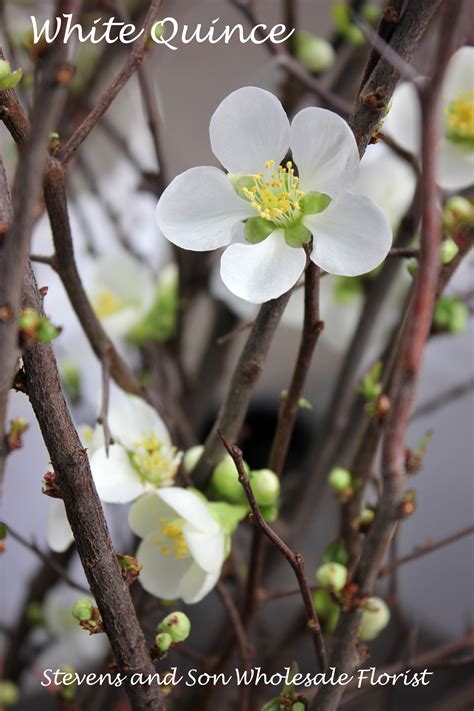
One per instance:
(141,459)
(183,546)
(456,121)
(205,209)
(122,292)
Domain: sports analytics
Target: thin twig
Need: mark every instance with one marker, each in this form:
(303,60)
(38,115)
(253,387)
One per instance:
(47,559)
(294,559)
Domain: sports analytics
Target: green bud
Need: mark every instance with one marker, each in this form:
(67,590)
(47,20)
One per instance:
(9,693)
(257,229)
(192,457)
(297,236)
(5,68)
(163,641)
(176,625)
(449,249)
(9,79)
(273,705)
(298,706)
(68,691)
(269,513)
(451,315)
(330,622)
(225,480)
(412,267)
(347,289)
(3,531)
(83,610)
(336,552)
(367,516)
(313,203)
(375,616)
(339,479)
(323,603)
(72,380)
(28,320)
(332,575)
(457,210)
(371,13)
(265,486)
(314,53)
(46,331)
(354,35)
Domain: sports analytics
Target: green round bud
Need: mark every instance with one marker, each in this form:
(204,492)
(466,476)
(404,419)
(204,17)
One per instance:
(269,513)
(371,13)
(314,53)
(273,705)
(323,603)
(192,457)
(265,486)
(339,479)
(176,625)
(28,319)
(355,35)
(225,480)
(367,516)
(163,641)
(458,208)
(412,267)
(46,331)
(375,616)
(9,693)
(330,622)
(298,706)
(83,610)
(332,575)
(449,249)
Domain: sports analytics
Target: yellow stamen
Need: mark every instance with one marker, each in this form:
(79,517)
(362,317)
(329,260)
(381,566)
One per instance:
(460,117)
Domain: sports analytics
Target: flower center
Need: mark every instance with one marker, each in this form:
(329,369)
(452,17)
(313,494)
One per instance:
(460,118)
(155,460)
(171,541)
(106,304)
(275,195)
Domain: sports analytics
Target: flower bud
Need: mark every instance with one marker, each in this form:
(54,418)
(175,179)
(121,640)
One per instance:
(457,210)
(371,13)
(265,486)
(339,479)
(323,603)
(192,457)
(449,249)
(269,513)
(5,68)
(332,575)
(298,706)
(225,480)
(9,79)
(83,610)
(375,616)
(163,642)
(176,625)
(314,53)
(451,315)
(9,693)
(273,705)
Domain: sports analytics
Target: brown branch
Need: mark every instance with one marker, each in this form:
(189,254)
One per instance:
(86,516)
(344,656)
(424,549)
(49,560)
(294,559)
(134,59)
(312,327)
(247,372)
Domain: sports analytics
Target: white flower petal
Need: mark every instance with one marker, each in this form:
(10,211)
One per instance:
(115,479)
(261,272)
(350,237)
(249,128)
(145,514)
(196,584)
(131,418)
(387,180)
(325,151)
(124,276)
(403,121)
(200,209)
(161,575)
(459,77)
(455,166)
(190,507)
(58,532)
(207,550)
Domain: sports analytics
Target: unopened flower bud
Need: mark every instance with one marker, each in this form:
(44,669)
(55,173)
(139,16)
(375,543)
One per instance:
(265,486)
(176,625)
(4,68)
(449,249)
(130,567)
(371,13)
(9,79)
(451,315)
(192,457)
(163,642)
(457,210)
(332,575)
(225,480)
(83,610)
(273,705)
(9,693)
(314,53)
(269,513)
(339,479)
(323,602)
(375,616)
